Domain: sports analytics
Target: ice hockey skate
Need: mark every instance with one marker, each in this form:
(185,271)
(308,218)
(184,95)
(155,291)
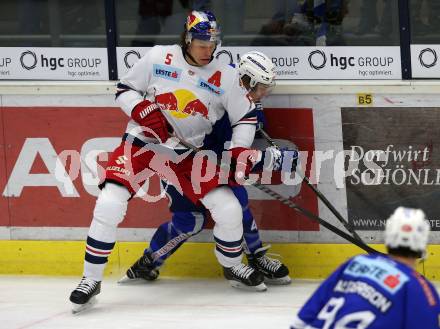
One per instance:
(84,296)
(244,277)
(140,271)
(274,271)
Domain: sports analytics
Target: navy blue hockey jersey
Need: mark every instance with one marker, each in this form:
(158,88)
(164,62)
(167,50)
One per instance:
(372,292)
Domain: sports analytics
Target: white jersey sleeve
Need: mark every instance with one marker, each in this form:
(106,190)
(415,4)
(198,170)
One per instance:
(134,84)
(242,114)
(243,135)
(238,104)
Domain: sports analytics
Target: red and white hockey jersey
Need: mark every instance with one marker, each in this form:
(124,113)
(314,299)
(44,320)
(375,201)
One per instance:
(192,98)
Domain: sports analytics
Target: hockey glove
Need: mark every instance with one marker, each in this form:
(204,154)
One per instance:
(274,157)
(148,115)
(242,161)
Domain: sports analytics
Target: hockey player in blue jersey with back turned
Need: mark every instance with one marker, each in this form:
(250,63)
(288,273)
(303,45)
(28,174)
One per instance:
(257,75)
(379,291)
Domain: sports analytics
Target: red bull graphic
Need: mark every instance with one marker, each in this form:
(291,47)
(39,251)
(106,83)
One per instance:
(181,103)
(192,21)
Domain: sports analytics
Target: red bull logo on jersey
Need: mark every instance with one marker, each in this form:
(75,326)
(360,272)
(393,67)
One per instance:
(210,87)
(167,72)
(181,103)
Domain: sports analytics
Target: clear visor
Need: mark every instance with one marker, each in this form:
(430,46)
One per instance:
(262,90)
(213,36)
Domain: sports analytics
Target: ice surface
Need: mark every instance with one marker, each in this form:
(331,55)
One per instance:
(42,302)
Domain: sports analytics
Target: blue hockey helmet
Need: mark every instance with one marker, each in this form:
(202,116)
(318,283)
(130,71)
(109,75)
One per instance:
(202,25)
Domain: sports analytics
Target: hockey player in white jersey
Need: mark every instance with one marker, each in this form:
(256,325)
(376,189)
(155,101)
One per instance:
(183,91)
(257,73)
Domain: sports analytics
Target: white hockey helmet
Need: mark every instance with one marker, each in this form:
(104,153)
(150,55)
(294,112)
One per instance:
(258,67)
(407,228)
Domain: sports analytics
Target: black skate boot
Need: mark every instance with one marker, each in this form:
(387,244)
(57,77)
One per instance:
(83,297)
(143,269)
(244,277)
(273,270)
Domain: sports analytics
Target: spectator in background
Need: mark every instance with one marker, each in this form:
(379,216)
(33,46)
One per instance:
(371,22)
(272,33)
(152,14)
(284,11)
(425,16)
(318,22)
(434,15)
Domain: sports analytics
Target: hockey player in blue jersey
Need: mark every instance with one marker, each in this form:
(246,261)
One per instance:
(377,291)
(257,75)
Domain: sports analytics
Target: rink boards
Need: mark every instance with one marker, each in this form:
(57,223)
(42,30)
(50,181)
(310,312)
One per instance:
(54,143)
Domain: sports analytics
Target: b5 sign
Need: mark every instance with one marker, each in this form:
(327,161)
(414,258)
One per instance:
(53,158)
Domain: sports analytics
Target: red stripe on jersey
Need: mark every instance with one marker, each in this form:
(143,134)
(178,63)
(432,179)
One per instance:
(248,120)
(426,289)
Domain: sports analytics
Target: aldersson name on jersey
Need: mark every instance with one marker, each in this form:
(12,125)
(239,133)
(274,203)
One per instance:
(366,291)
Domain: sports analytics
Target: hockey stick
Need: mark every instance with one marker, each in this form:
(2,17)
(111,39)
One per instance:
(312,216)
(318,193)
(298,208)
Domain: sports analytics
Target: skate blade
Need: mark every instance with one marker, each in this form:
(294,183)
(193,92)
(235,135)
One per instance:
(242,286)
(126,280)
(279,281)
(78,308)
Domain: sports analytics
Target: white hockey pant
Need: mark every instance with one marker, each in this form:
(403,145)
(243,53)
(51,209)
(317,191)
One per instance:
(227,214)
(110,210)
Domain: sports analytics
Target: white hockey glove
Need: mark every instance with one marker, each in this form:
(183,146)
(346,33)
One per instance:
(273,159)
